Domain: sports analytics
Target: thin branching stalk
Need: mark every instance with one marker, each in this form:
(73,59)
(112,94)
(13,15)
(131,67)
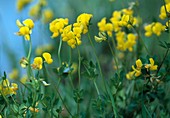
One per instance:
(60,96)
(79,66)
(59,52)
(98,63)
(94,81)
(114,57)
(162,61)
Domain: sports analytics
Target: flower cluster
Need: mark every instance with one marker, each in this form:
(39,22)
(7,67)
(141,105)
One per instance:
(125,41)
(71,33)
(22,3)
(154,28)
(163,13)
(139,66)
(38,61)
(119,20)
(25,28)
(57,25)
(37,11)
(7,88)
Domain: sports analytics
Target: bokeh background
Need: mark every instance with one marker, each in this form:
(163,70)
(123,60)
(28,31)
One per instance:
(11,46)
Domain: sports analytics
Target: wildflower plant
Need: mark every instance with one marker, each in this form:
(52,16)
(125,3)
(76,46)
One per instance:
(93,66)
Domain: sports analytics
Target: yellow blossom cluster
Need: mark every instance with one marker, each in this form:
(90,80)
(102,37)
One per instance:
(71,33)
(22,3)
(167,1)
(119,19)
(57,25)
(37,11)
(38,61)
(125,41)
(139,65)
(154,28)
(25,28)
(163,13)
(7,88)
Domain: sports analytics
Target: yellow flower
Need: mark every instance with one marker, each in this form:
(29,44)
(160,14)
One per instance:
(73,38)
(35,11)
(47,57)
(32,109)
(131,41)
(102,37)
(83,21)
(154,28)
(6,88)
(127,11)
(22,3)
(25,28)
(24,62)
(57,25)
(151,66)
(158,28)
(138,68)
(47,15)
(29,23)
(148,30)
(130,75)
(120,38)
(37,64)
(102,24)
(163,14)
(105,27)
(167,1)
(14,74)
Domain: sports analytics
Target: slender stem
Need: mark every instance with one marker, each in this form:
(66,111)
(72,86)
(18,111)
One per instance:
(140,39)
(60,96)
(70,55)
(114,57)
(79,77)
(113,102)
(162,61)
(96,88)
(30,49)
(58,82)
(79,66)
(100,70)
(63,102)
(29,71)
(59,52)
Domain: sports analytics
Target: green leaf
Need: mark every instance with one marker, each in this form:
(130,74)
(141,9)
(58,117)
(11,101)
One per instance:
(145,112)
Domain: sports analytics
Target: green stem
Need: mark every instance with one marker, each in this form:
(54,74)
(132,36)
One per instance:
(79,66)
(140,39)
(30,49)
(29,71)
(114,57)
(70,55)
(60,95)
(113,103)
(100,70)
(162,61)
(79,77)
(96,88)
(59,52)
(58,82)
